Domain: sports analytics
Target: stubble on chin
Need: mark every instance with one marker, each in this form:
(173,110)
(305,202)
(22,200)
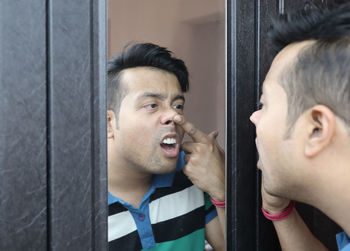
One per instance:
(162,166)
(158,164)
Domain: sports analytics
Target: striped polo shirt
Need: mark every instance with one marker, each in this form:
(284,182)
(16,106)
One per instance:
(172,216)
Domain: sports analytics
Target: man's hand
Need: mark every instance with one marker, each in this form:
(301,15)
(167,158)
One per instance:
(205,160)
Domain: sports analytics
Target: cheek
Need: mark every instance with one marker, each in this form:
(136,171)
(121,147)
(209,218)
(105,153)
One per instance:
(260,133)
(136,134)
(268,139)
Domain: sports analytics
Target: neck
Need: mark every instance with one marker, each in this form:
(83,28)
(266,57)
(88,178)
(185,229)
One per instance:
(331,193)
(127,182)
(336,207)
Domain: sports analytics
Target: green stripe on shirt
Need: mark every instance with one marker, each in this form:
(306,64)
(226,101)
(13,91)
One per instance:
(186,243)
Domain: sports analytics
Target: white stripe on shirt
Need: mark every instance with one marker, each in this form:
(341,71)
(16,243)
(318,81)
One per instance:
(176,204)
(120,224)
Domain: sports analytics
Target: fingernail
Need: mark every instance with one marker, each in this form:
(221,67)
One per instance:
(177,118)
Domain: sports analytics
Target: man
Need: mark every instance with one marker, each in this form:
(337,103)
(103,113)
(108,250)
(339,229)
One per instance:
(153,205)
(306,93)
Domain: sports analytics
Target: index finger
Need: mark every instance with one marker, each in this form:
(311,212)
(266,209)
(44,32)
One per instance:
(190,129)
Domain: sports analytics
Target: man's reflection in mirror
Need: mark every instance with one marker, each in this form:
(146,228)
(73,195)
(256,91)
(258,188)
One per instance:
(162,194)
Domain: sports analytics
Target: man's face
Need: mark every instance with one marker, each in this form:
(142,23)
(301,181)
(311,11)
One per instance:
(277,153)
(146,138)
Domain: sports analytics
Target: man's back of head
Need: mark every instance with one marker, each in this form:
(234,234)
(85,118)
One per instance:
(320,73)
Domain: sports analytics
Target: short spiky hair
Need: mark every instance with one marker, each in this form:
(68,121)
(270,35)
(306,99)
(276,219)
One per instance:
(136,55)
(320,74)
(317,22)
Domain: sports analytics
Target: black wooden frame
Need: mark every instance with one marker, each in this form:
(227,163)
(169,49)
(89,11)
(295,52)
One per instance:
(53,159)
(241,97)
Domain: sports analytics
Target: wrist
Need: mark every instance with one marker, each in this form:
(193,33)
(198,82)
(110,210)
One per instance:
(275,209)
(217,195)
(270,210)
(218,203)
(276,215)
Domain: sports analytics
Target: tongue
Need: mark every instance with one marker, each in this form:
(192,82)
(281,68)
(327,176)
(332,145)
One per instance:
(171,150)
(168,147)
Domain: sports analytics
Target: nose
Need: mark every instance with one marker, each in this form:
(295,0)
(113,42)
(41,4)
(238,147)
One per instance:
(167,117)
(254,118)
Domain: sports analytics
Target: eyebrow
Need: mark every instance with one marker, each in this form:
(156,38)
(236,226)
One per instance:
(151,95)
(179,96)
(159,96)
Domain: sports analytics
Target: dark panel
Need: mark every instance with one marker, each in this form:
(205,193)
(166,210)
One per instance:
(23,212)
(290,6)
(241,161)
(77,130)
(339,1)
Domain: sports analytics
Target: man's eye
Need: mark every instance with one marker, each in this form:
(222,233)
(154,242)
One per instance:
(179,107)
(151,106)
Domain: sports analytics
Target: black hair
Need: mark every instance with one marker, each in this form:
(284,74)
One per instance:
(317,22)
(137,55)
(320,73)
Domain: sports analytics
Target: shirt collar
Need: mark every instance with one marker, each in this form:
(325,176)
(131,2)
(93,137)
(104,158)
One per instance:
(343,241)
(159,180)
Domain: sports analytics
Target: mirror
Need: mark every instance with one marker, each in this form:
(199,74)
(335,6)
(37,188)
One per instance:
(194,30)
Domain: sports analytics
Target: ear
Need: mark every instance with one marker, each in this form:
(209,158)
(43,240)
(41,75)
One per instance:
(321,128)
(111,122)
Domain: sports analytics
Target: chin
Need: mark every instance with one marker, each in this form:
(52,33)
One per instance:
(269,187)
(274,189)
(271,191)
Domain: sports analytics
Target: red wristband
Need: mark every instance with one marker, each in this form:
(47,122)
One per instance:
(218,203)
(281,216)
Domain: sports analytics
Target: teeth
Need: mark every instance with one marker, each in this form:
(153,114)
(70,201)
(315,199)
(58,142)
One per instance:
(169,141)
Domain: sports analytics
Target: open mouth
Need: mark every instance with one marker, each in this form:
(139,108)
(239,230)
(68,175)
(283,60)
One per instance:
(170,146)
